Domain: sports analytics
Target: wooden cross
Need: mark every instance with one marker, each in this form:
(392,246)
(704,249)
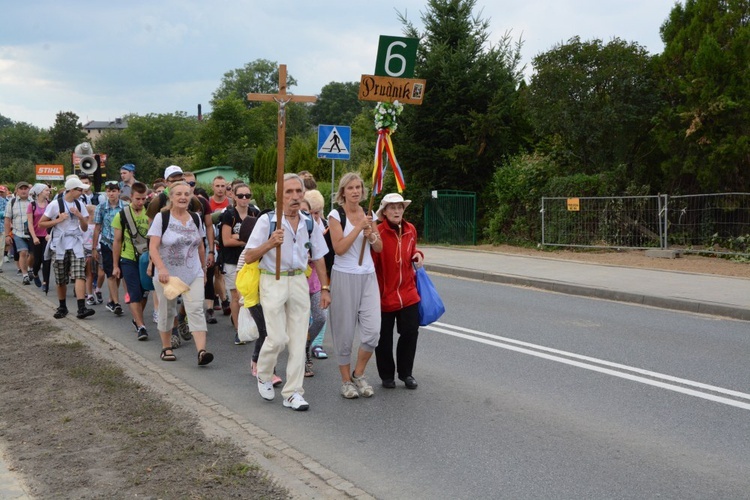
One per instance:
(281,98)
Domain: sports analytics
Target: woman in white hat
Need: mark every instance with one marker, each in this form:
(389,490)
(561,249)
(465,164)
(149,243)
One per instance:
(399,299)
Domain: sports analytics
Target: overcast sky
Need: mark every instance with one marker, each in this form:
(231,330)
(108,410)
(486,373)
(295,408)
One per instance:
(102,60)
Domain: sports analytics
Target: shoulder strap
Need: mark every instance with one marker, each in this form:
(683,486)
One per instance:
(342,216)
(129,221)
(61,204)
(164,221)
(196,219)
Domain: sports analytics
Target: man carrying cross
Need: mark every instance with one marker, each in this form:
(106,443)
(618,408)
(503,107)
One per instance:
(286,301)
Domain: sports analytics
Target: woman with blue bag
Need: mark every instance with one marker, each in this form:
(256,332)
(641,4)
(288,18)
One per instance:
(399,299)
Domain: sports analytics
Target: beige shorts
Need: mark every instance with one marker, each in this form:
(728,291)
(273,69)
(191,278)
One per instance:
(230,276)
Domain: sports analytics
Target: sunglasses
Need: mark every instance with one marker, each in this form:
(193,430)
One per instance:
(243,196)
(112,183)
(191,183)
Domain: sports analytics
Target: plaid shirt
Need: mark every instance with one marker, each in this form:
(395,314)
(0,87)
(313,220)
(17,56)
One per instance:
(103,217)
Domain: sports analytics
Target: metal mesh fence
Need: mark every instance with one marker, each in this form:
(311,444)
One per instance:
(704,223)
(602,222)
(451,217)
(710,223)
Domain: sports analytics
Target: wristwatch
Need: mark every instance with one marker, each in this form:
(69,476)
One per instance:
(325,287)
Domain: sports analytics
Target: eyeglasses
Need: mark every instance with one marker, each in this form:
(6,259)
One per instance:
(243,196)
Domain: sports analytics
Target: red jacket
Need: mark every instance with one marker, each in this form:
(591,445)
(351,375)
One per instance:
(393,266)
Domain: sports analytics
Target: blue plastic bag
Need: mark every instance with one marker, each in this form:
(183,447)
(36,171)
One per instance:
(147,283)
(430,305)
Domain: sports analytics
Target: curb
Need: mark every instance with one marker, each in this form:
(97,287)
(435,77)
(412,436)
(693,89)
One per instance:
(304,477)
(600,293)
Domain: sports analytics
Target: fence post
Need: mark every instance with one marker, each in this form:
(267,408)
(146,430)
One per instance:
(665,243)
(542,212)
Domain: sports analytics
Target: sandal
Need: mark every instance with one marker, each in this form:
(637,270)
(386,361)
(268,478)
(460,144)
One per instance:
(308,370)
(319,353)
(204,357)
(167,357)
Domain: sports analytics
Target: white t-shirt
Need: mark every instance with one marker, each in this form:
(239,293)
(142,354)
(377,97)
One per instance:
(68,234)
(294,254)
(179,247)
(349,262)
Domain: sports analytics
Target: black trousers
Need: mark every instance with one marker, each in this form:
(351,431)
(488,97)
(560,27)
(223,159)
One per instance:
(39,262)
(407,325)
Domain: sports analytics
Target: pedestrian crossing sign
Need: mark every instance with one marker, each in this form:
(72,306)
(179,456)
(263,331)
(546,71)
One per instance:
(334,142)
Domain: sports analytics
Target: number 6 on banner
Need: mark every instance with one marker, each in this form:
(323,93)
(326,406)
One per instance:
(396,51)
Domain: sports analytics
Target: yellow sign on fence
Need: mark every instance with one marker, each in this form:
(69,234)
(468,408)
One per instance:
(574,205)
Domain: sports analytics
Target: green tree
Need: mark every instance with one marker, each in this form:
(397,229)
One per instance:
(5,122)
(165,134)
(260,76)
(704,129)
(337,104)
(231,128)
(67,132)
(122,148)
(592,104)
(469,118)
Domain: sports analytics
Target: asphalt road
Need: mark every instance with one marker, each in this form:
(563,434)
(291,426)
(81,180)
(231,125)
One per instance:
(523,394)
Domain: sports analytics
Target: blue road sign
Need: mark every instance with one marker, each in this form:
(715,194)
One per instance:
(334,142)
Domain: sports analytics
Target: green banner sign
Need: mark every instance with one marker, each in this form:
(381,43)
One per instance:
(396,56)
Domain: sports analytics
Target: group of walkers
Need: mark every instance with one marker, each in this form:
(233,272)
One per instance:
(188,247)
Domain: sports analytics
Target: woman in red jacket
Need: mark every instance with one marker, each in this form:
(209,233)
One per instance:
(399,299)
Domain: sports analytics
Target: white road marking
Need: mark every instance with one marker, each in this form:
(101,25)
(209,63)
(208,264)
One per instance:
(570,359)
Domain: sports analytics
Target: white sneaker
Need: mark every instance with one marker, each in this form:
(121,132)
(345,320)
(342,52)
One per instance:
(296,402)
(363,388)
(349,391)
(267,391)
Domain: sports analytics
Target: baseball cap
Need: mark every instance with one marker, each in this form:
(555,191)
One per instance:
(129,167)
(22,184)
(172,170)
(74,183)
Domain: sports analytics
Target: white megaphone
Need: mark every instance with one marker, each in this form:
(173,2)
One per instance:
(85,153)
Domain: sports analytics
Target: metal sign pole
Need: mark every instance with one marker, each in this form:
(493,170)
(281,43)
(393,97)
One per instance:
(333,179)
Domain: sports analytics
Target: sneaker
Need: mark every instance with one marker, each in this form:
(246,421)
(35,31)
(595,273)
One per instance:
(296,402)
(217,305)
(135,325)
(349,391)
(26,279)
(156,316)
(99,298)
(226,308)
(363,388)
(61,312)
(210,319)
(183,329)
(237,340)
(276,380)
(90,300)
(110,307)
(175,341)
(266,390)
(37,281)
(83,312)
(117,310)
(18,271)
(142,333)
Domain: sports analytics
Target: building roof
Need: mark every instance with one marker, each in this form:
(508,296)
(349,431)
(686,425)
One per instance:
(117,123)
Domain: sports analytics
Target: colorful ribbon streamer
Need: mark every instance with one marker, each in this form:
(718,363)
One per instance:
(384,145)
